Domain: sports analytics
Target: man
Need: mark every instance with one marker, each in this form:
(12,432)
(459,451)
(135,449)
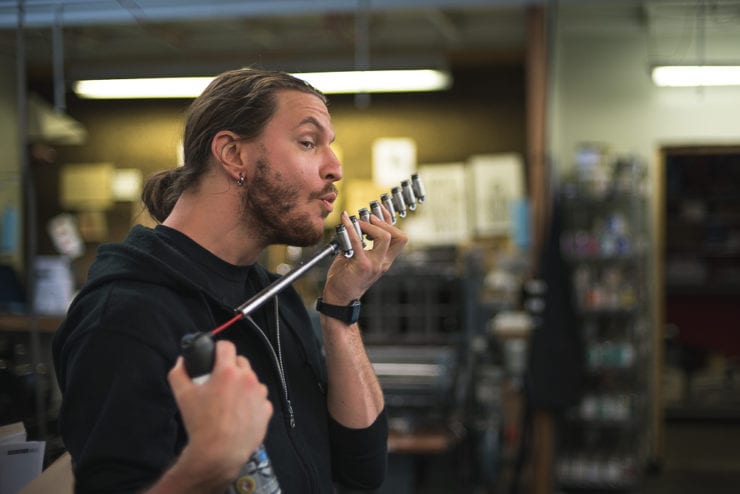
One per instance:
(259,170)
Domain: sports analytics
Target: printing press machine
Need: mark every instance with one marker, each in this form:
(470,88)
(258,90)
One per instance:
(419,383)
(424,330)
(415,322)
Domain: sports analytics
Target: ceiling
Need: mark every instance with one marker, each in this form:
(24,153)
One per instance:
(111,38)
(119,38)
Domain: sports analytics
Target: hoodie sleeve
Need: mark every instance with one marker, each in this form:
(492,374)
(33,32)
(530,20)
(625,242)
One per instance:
(118,419)
(359,456)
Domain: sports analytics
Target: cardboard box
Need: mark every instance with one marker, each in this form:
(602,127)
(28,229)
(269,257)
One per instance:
(58,478)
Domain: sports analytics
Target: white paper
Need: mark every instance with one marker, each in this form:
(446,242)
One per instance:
(13,433)
(497,180)
(442,219)
(54,285)
(20,463)
(394,160)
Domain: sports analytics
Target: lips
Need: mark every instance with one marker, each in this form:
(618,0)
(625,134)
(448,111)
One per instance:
(328,200)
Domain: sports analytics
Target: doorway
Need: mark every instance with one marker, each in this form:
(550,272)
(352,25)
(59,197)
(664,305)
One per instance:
(701,282)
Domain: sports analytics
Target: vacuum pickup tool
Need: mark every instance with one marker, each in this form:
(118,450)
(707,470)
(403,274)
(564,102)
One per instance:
(400,200)
(410,194)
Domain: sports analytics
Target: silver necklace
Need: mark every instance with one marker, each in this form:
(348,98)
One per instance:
(277,356)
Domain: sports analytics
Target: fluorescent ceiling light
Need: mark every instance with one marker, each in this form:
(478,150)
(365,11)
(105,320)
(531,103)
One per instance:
(371,81)
(378,81)
(154,87)
(696,75)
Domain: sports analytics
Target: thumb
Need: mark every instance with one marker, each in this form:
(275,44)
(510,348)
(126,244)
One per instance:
(178,376)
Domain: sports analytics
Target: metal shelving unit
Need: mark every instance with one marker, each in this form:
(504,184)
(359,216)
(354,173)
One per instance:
(606,439)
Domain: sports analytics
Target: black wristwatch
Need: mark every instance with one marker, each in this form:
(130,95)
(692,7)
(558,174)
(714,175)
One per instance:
(348,314)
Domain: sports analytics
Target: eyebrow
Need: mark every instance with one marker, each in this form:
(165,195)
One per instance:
(313,121)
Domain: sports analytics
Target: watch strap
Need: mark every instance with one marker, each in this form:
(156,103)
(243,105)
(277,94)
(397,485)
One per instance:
(348,314)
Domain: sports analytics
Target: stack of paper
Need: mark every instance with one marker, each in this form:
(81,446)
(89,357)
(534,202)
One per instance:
(20,460)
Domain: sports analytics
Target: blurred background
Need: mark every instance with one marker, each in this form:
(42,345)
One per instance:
(564,318)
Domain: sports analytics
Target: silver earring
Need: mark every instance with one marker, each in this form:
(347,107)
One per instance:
(240,180)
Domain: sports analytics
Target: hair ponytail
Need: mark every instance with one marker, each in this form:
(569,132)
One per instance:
(158,194)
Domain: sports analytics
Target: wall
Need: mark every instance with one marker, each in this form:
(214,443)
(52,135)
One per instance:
(602,92)
(10,173)
(139,133)
(482,113)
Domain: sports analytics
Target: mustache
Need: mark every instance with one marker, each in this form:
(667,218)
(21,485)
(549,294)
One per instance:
(329,189)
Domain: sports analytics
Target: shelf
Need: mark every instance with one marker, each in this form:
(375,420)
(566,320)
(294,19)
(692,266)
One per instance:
(602,423)
(704,196)
(620,312)
(704,289)
(601,200)
(700,411)
(605,245)
(25,322)
(708,222)
(427,442)
(611,370)
(598,486)
(702,253)
(602,259)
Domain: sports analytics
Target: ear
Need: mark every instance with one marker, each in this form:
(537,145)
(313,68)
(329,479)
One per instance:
(226,147)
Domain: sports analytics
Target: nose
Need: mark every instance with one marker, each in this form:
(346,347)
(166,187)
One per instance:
(331,168)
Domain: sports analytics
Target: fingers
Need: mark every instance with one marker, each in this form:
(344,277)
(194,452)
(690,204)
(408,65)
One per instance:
(225,359)
(178,376)
(230,410)
(232,376)
(349,278)
(354,238)
(389,238)
(251,377)
(378,229)
(225,355)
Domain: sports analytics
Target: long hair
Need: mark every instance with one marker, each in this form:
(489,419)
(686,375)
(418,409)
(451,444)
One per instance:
(241,101)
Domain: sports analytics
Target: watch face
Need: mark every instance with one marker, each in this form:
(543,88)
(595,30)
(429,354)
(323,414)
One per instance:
(355,315)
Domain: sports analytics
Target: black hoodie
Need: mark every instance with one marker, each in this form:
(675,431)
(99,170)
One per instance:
(119,419)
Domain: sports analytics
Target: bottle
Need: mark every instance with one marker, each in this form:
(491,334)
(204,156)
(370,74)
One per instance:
(257,475)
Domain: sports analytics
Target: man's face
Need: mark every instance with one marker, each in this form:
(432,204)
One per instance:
(292,169)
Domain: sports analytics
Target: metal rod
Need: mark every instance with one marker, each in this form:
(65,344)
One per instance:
(60,104)
(340,242)
(30,217)
(278,285)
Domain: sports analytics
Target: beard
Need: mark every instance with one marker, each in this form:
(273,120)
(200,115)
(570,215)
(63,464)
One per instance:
(270,209)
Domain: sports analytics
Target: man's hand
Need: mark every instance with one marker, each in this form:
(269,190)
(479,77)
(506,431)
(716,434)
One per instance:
(349,279)
(226,420)
(354,397)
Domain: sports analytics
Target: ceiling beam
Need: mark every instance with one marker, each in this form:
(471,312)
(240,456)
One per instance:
(43,13)
(443,24)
